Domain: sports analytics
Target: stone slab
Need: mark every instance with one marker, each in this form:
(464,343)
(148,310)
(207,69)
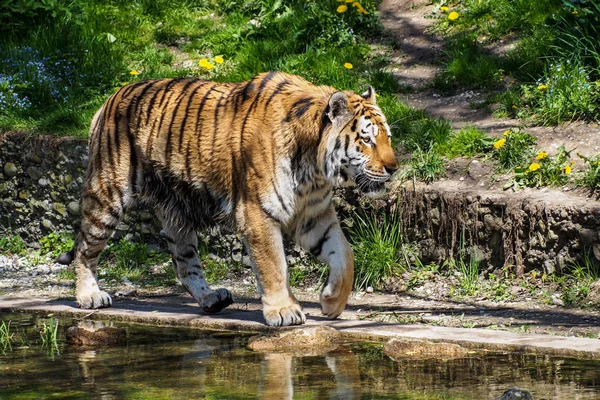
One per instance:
(180,311)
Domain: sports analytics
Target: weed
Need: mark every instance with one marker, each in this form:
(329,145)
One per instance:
(297,274)
(467,66)
(467,142)
(12,244)
(544,171)
(49,335)
(130,260)
(426,134)
(590,177)
(376,242)
(56,243)
(425,166)
(513,149)
(565,92)
(6,336)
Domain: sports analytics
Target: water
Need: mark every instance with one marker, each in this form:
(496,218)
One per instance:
(173,363)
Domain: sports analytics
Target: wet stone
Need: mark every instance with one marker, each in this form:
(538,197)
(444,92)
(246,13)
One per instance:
(104,336)
(305,341)
(400,349)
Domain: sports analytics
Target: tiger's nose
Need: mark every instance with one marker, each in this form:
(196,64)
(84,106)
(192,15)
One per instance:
(390,169)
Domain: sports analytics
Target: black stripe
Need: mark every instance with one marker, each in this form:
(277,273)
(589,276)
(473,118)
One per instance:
(318,247)
(285,208)
(185,117)
(274,218)
(354,124)
(130,88)
(309,225)
(277,90)
(140,99)
(325,121)
(346,143)
(176,107)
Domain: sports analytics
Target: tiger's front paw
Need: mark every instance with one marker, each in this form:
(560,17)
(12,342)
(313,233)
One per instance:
(216,301)
(93,299)
(334,299)
(284,316)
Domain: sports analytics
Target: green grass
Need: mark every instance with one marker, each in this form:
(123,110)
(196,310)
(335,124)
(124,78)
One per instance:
(49,335)
(61,60)
(12,244)
(590,177)
(55,243)
(552,45)
(514,149)
(376,242)
(545,170)
(132,261)
(467,142)
(6,336)
(424,166)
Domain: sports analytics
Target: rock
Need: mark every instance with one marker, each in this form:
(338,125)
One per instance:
(556,300)
(369,289)
(401,349)
(73,208)
(593,295)
(305,341)
(10,169)
(34,173)
(47,224)
(43,182)
(101,337)
(60,208)
(514,393)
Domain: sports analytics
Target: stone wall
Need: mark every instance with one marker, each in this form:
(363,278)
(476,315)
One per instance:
(41,179)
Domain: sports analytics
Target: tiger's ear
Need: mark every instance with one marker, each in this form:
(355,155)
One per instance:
(338,109)
(370,95)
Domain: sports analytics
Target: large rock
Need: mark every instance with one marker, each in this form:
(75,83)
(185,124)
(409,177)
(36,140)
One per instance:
(305,341)
(400,349)
(105,336)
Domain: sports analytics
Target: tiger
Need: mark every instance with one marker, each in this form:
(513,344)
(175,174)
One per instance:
(262,156)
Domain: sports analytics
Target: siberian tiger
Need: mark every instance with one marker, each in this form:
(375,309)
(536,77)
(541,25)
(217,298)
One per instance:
(262,155)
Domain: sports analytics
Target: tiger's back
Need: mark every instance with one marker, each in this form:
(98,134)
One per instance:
(223,139)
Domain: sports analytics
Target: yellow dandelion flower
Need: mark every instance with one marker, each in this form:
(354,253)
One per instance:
(209,66)
(453,16)
(444,8)
(542,87)
(567,169)
(574,12)
(499,143)
(541,155)
(133,72)
(348,1)
(534,167)
(348,66)
(203,63)
(342,9)
(506,133)
(359,8)
(219,60)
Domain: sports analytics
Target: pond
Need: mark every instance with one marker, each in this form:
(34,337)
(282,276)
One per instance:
(175,363)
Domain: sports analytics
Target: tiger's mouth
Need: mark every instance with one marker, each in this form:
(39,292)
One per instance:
(370,187)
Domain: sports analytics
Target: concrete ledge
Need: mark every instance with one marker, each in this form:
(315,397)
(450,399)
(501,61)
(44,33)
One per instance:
(180,311)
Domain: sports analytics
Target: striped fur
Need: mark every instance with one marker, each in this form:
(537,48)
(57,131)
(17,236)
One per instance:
(261,155)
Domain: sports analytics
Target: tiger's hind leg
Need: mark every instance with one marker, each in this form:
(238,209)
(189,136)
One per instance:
(99,219)
(183,244)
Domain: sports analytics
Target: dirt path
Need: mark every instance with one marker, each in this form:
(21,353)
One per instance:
(417,61)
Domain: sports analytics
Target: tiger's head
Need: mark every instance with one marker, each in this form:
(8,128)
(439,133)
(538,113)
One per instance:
(359,145)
